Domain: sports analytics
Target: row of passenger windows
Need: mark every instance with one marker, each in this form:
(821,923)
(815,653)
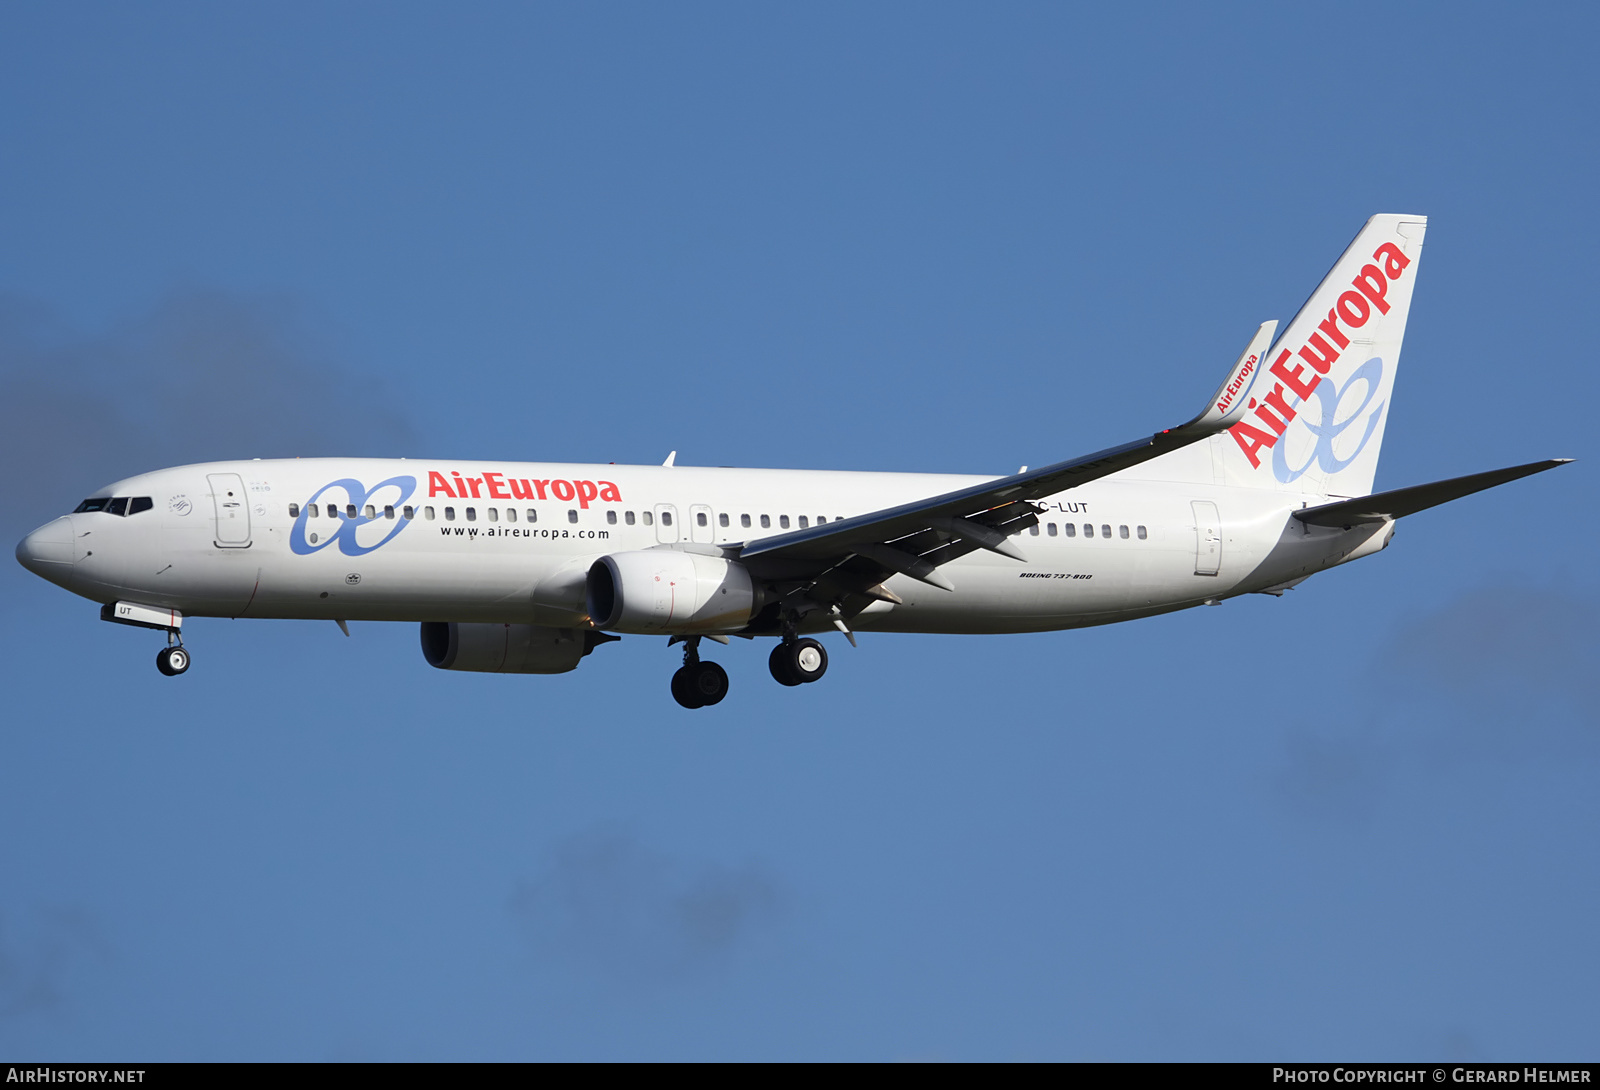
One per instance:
(1069,529)
(531,514)
(408,512)
(115,505)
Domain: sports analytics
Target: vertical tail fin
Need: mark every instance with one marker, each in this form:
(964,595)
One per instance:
(1317,409)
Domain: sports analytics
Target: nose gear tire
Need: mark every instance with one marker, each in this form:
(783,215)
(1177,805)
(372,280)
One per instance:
(172,661)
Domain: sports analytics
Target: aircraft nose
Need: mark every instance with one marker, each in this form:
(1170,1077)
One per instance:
(47,552)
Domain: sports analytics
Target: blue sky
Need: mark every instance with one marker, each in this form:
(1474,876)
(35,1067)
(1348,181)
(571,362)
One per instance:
(1356,821)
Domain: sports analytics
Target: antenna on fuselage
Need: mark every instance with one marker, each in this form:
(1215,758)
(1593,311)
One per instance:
(671,458)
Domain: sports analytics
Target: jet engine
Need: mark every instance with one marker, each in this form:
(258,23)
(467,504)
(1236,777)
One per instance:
(656,591)
(507,648)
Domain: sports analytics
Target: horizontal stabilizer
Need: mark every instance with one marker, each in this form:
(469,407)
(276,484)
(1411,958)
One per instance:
(1386,506)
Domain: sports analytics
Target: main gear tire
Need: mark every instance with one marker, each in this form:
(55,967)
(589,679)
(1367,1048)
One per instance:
(778,663)
(709,682)
(808,659)
(682,689)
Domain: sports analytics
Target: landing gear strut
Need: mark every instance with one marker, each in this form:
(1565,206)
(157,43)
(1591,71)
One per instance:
(795,662)
(172,659)
(698,684)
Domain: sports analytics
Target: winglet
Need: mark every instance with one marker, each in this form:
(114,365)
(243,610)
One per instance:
(1229,402)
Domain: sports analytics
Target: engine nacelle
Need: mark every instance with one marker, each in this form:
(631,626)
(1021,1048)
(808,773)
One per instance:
(656,591)
(506,648)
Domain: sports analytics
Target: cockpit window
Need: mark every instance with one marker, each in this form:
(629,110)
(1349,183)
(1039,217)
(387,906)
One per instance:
(115,505)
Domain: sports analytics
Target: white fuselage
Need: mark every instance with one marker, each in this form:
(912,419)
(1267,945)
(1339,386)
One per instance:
(512,542)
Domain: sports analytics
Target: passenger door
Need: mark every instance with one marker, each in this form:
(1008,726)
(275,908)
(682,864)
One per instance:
(1207,538)
(232,512)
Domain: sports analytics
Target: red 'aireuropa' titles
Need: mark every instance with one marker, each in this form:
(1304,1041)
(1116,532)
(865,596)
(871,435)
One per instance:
(497,486)
(1354,308)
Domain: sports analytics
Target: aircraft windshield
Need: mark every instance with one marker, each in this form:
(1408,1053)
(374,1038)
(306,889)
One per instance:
(115,505)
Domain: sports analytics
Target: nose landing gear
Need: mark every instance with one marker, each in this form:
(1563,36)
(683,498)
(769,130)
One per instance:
(698,684)
(173,659)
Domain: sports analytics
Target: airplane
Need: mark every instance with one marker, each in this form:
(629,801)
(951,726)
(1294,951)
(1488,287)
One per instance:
(528,567)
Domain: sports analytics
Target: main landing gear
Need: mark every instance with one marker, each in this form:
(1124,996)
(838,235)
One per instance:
(172,659)
(795,662)
(698,684)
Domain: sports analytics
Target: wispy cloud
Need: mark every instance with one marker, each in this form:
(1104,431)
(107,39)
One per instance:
(204,376)
(604,902)
(1502,675)
(38,956)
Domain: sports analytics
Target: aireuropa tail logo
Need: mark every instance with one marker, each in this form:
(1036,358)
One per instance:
(1323,453)
(360,525)
(1366,301)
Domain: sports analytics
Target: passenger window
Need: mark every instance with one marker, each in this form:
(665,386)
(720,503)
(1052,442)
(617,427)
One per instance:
(140,503)
(627,516)
(350,510)
(511,514)
(472,514)
(1088,529)
(611,518)
(783,522)
(118,506)
(449,514)
(1050,528)
(722,519)
(312,511)
(1141,533)
(666,518)
(821,519)
(1033,530)
(700,519)
(533,514)
(494,514)
(408,512)
(766,522)
(294,510)
(427,513)
(1105,531)
(1070,529)
(370,512)
(744,520)
(572,514)
(333,510)
(649,519)
(388,511)
(804,522)
(1122,532)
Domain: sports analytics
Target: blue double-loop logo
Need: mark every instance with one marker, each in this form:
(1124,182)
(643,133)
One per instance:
(1330,428)
(356,497)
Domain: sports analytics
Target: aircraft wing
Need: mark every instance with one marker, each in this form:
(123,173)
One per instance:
(916,538)
(1385,506)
